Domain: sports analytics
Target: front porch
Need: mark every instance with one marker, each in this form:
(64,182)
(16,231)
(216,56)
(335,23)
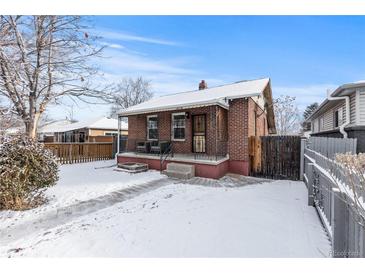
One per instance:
(207,166)
(196,136)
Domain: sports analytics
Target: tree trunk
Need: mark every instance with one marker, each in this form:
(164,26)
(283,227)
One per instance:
(31,126)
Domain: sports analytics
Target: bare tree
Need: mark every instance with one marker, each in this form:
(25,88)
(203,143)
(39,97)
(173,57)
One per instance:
(42,59)
(8,119)
(287,116)
(129,92)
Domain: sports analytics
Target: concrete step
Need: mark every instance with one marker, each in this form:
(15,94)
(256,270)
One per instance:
(180,171)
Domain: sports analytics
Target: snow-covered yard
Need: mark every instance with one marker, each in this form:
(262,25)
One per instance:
(175,220)
(77,183)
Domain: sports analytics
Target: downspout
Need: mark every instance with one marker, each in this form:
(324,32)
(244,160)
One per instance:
(347,101)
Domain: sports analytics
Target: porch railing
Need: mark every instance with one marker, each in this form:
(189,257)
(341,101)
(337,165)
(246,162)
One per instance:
(218,150)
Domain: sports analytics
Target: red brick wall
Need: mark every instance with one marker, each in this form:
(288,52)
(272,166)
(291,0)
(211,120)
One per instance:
(261,124)
(231,127)
(238,130)
(137,128)
(137,125)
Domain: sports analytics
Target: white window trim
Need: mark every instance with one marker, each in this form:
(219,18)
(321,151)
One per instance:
(148,132)
(172,126)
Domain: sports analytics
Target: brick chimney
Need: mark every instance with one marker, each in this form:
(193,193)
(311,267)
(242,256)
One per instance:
(203,85)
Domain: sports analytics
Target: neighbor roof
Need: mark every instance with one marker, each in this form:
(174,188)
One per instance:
(343,90)
(98,123)
(210,96)
(53,126)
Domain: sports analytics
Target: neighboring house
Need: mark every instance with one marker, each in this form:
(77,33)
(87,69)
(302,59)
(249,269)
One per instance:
(95,130)
(342,114)
(46,132)
(208,128)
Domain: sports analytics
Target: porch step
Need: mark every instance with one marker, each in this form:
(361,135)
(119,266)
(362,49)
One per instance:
(180,171)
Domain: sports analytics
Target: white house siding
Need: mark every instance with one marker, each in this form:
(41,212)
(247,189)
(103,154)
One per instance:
(328,120)
(328,116)
(352,109)
(361,105)
(315,125)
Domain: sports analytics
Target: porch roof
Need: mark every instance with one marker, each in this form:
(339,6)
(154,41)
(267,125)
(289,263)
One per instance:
(210,96)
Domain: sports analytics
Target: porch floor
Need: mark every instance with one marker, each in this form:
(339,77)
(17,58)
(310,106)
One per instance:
(189,158)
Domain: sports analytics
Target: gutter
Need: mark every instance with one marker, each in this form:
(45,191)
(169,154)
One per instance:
(347,100)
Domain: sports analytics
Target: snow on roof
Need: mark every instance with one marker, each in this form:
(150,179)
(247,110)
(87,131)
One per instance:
(210,96)
(98,123)
(54,126)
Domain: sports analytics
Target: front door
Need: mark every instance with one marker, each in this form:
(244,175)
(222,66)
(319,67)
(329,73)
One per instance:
(199,133)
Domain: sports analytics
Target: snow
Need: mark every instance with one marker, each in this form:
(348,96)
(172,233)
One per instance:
(53,126)
(98,123)
(210,96)
(79,182)
(183,220)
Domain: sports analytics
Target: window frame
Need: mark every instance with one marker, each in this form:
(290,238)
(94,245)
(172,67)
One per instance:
(172,126)
(338,117)
(147,128)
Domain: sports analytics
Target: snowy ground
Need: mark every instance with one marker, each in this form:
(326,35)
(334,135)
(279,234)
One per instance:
(79,182)
(181,220)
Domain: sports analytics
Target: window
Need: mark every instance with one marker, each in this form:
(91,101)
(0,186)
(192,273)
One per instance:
(338,117)
(178,126)
(152,129)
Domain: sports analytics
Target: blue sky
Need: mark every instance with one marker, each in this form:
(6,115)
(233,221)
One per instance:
(303,55)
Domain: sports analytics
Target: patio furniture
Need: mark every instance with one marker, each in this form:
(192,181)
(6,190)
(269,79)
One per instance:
(159,147)
(143,146)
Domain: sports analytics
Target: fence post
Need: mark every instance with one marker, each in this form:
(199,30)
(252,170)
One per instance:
(302,146)
(310,178)
(338,224)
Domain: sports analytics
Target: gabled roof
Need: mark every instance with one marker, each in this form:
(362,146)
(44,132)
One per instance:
(53,126)
(98,123)
(210,96)
(343,90)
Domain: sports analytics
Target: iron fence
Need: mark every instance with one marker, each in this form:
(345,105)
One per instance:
(330,190)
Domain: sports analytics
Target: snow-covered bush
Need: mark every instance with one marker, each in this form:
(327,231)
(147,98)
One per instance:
(354,170)
(27,168)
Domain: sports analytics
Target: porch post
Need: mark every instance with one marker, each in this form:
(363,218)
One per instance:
(118,140)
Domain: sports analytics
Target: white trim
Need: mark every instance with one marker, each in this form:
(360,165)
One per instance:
(147,129)
(118,138)
(175,108)
(172,126)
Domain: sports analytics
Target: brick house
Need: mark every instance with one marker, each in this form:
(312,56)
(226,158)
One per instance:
(209,127)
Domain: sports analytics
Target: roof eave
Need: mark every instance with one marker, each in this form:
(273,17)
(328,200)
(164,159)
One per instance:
(176,107)
(219,101)
(335,93)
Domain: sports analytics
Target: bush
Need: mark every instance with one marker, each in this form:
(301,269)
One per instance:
(27,169)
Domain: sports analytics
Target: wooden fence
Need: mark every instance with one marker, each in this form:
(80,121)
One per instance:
(68,153)
(330,190)
(276,157)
